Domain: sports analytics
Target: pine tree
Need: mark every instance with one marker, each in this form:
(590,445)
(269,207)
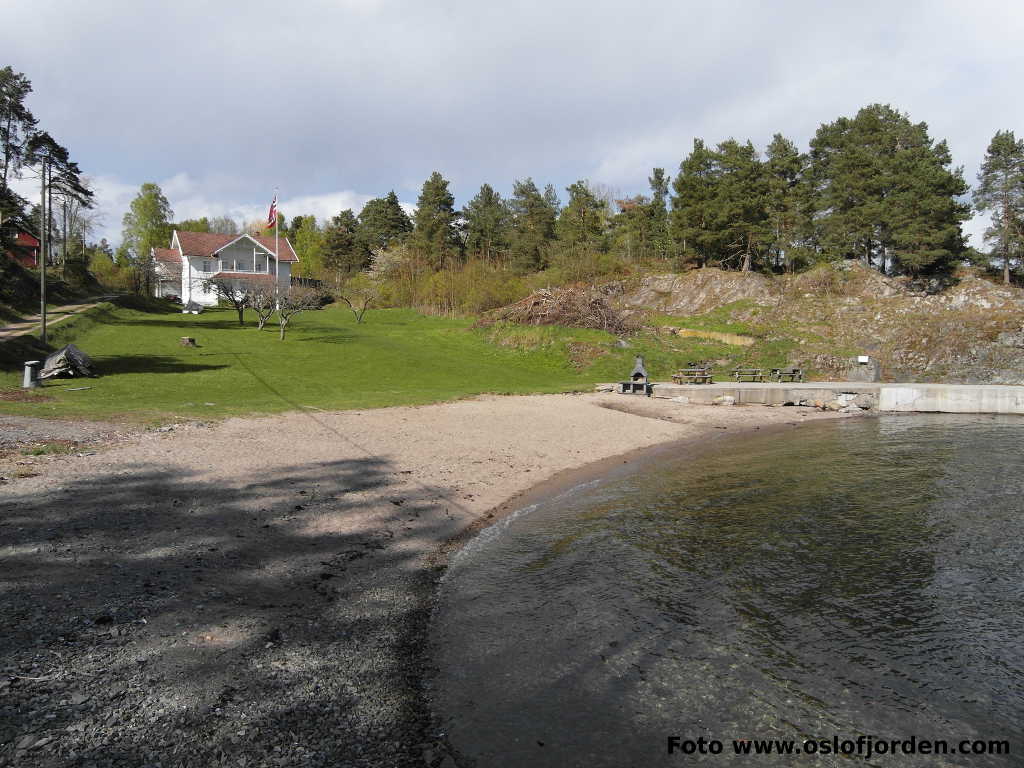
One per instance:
(533,224)
(692,202)
(17,125)
(786,207)
(488,221)
(434,234)
(581,224)
(719,209)
(656,213)
(738,211)
(342,254)
(1000,192)
(885,193)
(924,214)
(382,223)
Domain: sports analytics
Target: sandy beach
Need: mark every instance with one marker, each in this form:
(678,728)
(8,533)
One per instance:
(256,592)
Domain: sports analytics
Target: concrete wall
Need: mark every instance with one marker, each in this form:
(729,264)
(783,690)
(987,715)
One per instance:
(905,398)
(951,398)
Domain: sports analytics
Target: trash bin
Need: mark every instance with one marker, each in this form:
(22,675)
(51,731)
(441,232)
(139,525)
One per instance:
(30,380)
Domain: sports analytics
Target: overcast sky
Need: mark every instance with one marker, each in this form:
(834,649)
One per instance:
(337,101)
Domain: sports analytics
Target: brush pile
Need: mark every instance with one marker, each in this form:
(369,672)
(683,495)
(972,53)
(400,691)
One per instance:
(573,307)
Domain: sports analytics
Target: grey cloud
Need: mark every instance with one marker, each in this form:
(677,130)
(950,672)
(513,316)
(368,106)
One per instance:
(319,97)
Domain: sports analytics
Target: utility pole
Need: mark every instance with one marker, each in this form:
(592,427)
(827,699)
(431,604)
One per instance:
(42,256)
(64,240)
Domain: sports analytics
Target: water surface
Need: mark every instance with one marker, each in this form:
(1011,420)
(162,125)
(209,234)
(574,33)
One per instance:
(847,578)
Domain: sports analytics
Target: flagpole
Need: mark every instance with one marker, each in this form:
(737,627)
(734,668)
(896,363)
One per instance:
(277,248)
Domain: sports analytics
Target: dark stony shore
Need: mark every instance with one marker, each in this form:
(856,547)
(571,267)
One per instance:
(257,592)
(174,660)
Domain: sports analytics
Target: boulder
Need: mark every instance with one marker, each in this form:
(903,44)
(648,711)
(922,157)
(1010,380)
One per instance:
(1011,338)
(865,401)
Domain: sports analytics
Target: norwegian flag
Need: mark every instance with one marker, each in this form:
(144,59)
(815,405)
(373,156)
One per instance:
(272,215)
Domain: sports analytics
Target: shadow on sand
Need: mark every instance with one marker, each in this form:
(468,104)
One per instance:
(155,616)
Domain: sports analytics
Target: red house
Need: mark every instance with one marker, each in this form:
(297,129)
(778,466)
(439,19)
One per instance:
(25,250)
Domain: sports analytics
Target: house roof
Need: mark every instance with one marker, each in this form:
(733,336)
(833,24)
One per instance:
(206,244)
(167,255)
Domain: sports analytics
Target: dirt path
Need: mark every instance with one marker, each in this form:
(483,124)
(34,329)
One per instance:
(53,316)
(257,592)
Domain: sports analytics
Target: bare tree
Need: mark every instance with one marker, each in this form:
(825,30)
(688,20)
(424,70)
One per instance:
(360,291)
(296,299)
(262,301)
(235,291)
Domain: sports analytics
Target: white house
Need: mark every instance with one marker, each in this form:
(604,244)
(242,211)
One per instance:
(196,257)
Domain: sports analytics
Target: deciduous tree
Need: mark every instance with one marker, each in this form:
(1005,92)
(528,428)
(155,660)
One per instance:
(146,225)
(262,301)
(296,299)
(235,291)
(309,246)
(359,292)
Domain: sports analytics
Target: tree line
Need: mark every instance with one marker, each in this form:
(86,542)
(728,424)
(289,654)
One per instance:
(63,210)
(875,187)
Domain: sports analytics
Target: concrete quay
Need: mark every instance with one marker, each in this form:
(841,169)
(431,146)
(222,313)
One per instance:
(901,398)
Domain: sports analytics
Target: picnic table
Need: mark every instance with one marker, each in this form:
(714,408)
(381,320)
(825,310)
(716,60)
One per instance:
(788,374)
(697,374)
(750,374)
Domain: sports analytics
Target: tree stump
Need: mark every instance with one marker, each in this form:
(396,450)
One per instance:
(188,341)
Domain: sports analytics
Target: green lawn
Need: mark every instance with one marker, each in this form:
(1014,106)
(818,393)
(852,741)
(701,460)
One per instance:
(397,357)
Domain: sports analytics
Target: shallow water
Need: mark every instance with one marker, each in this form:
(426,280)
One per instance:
(862,577)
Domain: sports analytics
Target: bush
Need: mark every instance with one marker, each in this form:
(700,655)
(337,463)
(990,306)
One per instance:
(572,266)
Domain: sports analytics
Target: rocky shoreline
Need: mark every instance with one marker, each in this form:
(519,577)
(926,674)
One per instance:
(258,592)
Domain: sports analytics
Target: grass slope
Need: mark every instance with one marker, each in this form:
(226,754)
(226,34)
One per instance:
(396,358)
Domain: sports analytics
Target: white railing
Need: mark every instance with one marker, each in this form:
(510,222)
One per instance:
(259,269)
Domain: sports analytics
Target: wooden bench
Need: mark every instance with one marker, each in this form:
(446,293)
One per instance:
(787,374)
(692,376)
(750,374)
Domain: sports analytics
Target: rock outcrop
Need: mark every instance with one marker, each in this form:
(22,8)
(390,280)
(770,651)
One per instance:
(967,330)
